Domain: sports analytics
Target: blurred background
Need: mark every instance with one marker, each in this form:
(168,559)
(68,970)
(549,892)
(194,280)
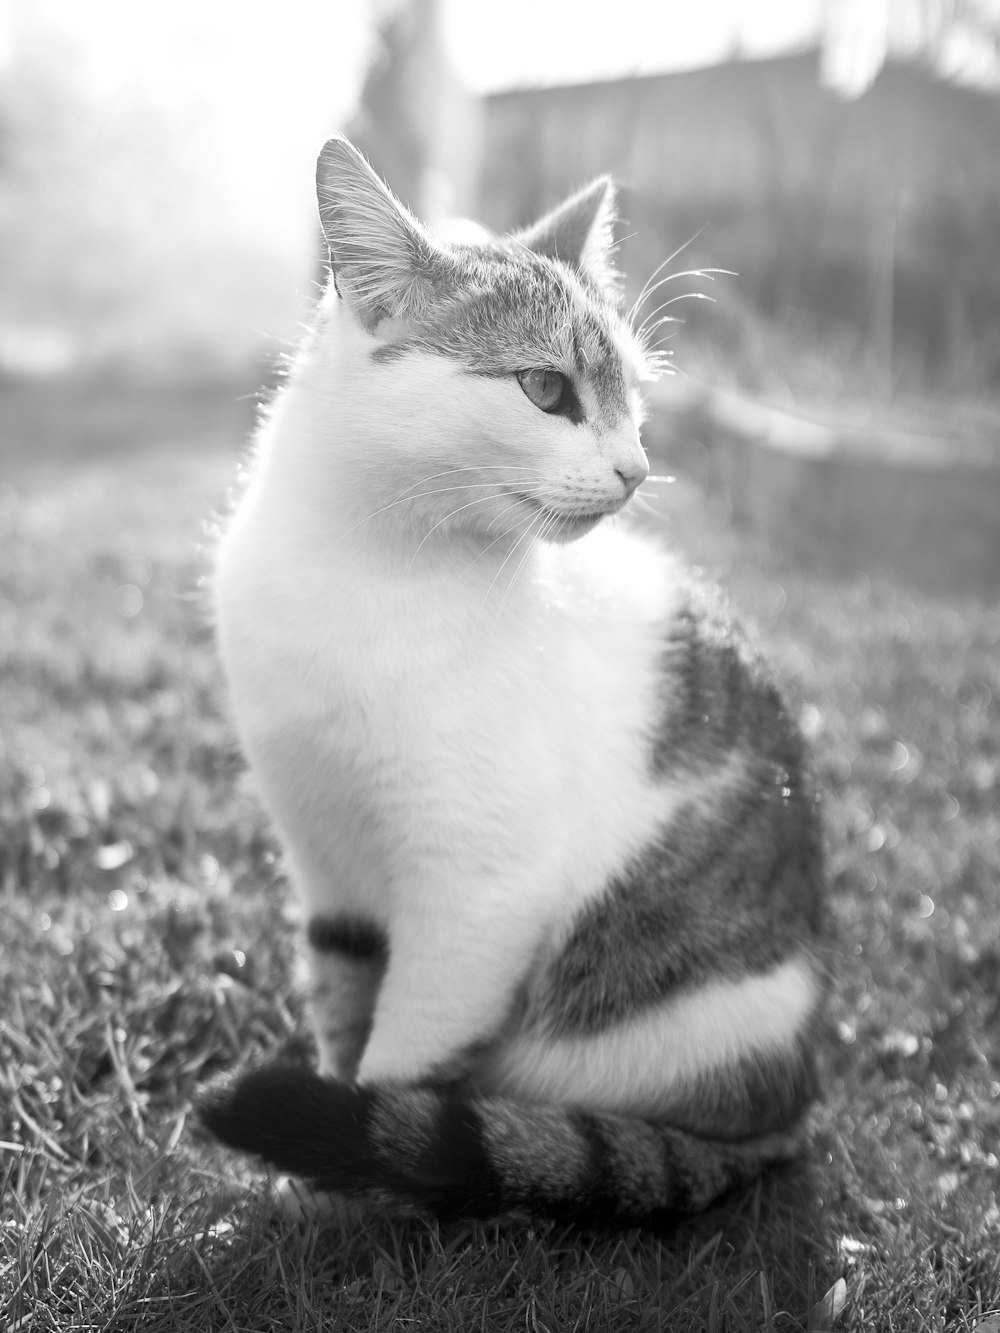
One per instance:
(832,432)
(840,389)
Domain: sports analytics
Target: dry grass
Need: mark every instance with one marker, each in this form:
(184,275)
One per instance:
(145,943)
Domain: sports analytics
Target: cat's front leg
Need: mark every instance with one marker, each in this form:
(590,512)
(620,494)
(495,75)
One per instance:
(346,960)
(450,982)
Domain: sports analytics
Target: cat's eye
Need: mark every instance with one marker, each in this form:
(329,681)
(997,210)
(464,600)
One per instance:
(545,388)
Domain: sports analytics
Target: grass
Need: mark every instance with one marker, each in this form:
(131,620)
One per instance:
(146,942)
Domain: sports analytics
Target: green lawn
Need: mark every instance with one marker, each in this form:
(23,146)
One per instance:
(146,942)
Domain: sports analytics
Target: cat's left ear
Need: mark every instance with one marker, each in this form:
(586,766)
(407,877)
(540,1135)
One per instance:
(580,233)
(385,265)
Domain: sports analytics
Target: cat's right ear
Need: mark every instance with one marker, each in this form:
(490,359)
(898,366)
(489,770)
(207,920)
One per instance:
(384,264)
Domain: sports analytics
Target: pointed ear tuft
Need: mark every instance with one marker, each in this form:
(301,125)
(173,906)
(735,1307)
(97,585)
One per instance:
(580,233)
(385,265)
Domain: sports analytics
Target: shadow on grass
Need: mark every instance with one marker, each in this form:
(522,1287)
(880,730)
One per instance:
(754,1262)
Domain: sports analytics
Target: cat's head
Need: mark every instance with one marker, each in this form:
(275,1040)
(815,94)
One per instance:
(523,375)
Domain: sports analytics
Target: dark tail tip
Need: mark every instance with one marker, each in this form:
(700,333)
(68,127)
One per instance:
(415,1145)
(282,1112)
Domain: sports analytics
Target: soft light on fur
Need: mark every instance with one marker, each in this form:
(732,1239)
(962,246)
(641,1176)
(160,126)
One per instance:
(525,787)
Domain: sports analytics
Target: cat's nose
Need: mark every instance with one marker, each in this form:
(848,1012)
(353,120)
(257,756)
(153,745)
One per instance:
(633,471)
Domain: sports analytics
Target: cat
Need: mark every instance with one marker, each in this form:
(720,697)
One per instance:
(551,824)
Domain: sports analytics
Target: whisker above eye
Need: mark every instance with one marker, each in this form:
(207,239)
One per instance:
(647,285)
(658,359)
(709,273)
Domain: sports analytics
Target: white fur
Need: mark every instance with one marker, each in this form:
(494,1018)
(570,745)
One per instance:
(450,720)
(451,736)
(643,1065)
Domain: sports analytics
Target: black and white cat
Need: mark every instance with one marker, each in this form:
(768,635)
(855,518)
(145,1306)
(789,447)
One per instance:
(547,814)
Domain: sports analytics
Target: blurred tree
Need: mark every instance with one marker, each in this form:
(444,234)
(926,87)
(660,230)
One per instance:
(957,39)
(109,225)
(155,206)
(394,123)
(935,19)
(415,120)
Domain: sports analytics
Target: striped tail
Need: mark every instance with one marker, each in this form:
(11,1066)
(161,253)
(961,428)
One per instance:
(464,1156)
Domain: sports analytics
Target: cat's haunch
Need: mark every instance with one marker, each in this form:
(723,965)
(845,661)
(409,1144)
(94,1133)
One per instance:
(549,818)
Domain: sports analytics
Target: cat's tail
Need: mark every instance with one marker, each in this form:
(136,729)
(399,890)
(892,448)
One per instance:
(465,1156)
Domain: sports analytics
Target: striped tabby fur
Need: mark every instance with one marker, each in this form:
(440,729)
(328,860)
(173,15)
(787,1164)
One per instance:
(548,816)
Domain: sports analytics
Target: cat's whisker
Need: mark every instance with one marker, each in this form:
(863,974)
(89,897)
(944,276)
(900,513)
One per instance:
(499,538)
(663,356)
(412,494)
(447,517)
(666,319)
(659,361)
(671,277)
(643,506)
(646,287)
(516,502)
(681,296)
(640,332)
(541,518)
(403,499)
(525,525)
(520,470)
(645,337)
(461,468)
(709,273)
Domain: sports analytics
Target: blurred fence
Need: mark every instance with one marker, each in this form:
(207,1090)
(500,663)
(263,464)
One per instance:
(920,502)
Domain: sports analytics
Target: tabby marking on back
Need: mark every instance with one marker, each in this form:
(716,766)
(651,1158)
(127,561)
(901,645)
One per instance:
(546,811)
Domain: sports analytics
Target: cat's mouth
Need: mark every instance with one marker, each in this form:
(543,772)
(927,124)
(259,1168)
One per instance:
(566,524)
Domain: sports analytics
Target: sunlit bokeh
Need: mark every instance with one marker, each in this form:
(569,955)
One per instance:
(157,192)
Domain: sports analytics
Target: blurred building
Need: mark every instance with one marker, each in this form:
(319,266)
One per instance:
(879,214)
(853,183)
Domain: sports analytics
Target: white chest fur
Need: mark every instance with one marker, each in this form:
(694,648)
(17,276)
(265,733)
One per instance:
(431,712)
(451,734)
(412,702)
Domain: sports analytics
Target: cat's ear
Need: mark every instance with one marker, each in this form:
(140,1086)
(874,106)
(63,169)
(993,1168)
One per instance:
(384,263)
(580,233)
